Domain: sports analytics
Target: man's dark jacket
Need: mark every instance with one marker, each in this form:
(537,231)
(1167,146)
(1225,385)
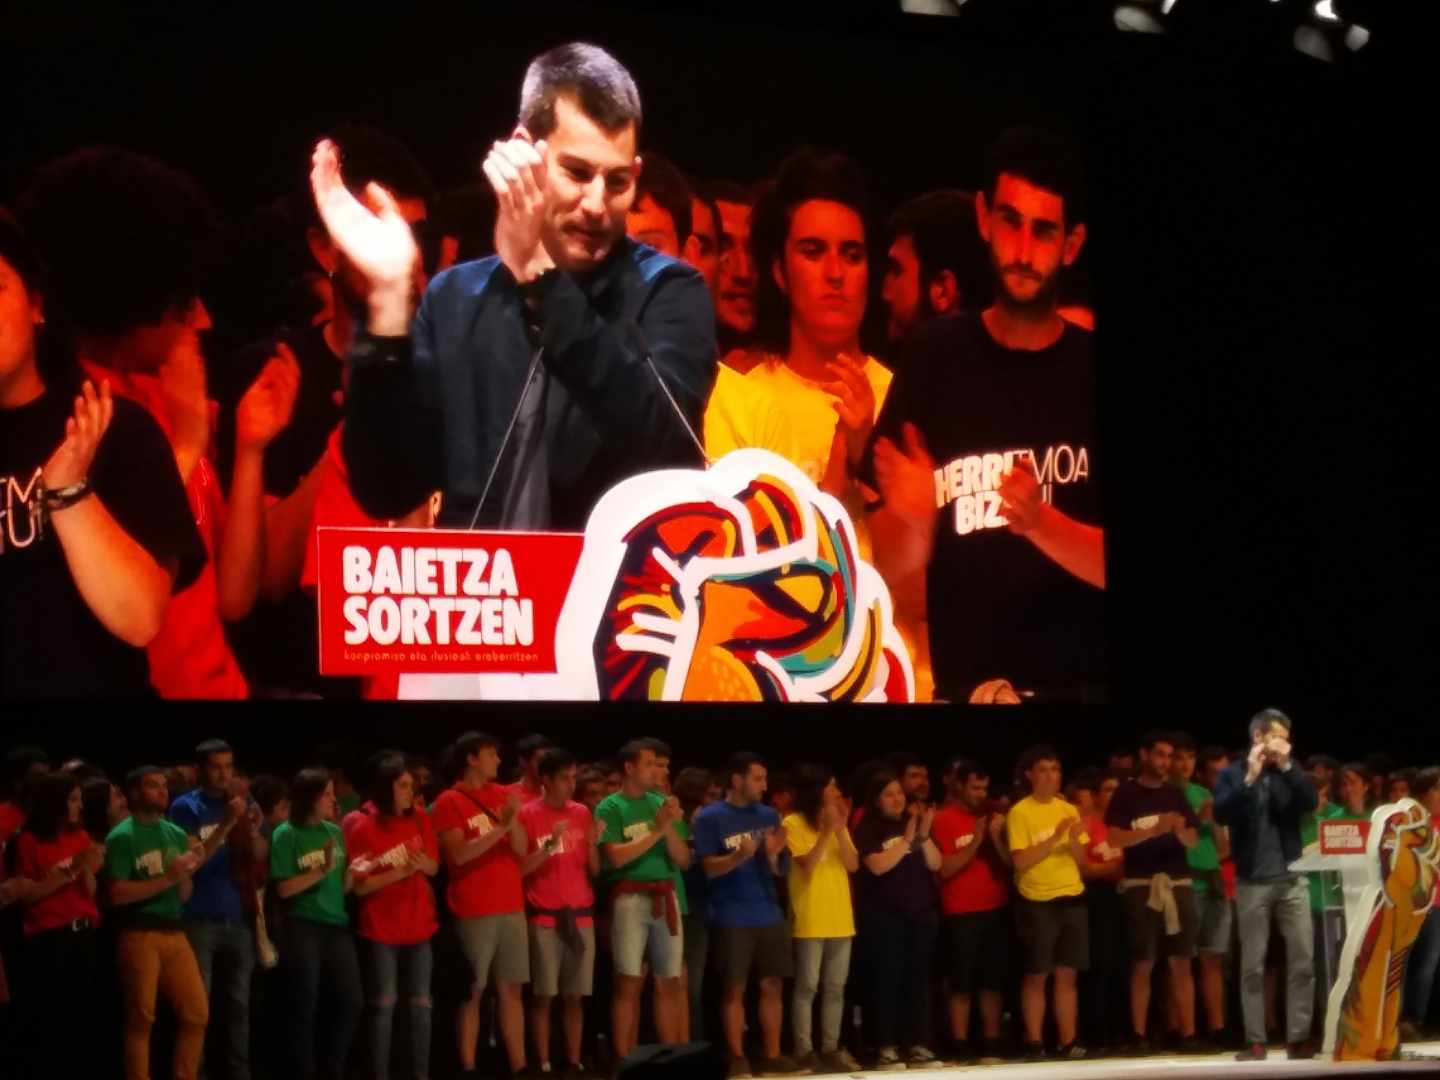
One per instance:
(429,412)
(1290,795)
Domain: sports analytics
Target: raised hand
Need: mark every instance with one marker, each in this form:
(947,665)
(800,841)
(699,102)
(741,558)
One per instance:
(1021,495)
(854,402)
(329,850)
(996,829)
(511,808)
(747,847)
(373,236)
(907,476)
(912,822)
(268,404)
(71,461)
(515,168)
(669,813)
(235,809)
(927,819)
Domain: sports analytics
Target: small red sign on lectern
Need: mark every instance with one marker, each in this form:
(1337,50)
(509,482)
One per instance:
(440,600)
(1343,837)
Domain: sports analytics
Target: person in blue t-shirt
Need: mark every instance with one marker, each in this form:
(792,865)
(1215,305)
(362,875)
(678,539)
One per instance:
(743,851)
(216,920)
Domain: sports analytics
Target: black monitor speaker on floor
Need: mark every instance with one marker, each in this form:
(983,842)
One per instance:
(694,1061)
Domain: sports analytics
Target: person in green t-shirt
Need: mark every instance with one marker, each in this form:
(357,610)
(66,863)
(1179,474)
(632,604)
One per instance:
(149,863)
(1213,908)
(312,875)
(643,849)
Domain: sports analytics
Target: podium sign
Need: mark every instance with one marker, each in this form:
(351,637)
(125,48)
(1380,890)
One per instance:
(1344,837)
(441,600)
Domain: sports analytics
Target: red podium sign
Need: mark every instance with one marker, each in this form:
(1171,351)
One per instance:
(440,600)
(1343,837)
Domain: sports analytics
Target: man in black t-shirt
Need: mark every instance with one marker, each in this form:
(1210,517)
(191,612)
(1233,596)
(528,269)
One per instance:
(1150,820)
(985,456)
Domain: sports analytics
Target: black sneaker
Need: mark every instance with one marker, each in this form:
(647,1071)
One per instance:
(780,1066)
(888,1060)
(1071,1052)
(960,1053)
(739,1069)
(1253,1052)
(1138,1046)
(1032,1051)
(1191,1044)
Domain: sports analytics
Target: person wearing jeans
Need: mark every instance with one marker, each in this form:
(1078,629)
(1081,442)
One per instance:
(312,875)
(396,847)
(1263,800)
(215,916)
(899,921)
(822,918)
(149,863)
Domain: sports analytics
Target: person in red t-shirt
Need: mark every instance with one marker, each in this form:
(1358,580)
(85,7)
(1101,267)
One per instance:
(563,857)
(59,860)
(975,873)
(395,854)
(478,823)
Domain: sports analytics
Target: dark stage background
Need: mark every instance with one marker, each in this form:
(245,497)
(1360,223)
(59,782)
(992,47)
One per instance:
(1262,262)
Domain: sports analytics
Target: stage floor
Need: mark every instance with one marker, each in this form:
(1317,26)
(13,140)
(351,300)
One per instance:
(1189,1068)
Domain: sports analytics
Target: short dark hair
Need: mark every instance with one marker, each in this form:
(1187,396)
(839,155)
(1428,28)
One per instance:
(942,228)
(1322,761)
(1406,774)
(1266,717)
(268,791)
(1043,158)
(963,768)
(1425,781)
(597,82)
(556,759)
(48,813)
(1150,738)
(805,175)
(1183,740)
(663,181)
(531,745)
(732,191)
(211,746)
(1086,780)
(472,742)
(96,206)
(384,771)
(1036,754)
(659,746)
(1213,753)
(631,751)
(136,776)
(305,791)
(1379,763)
(18,761)
(739,765)
(95,814)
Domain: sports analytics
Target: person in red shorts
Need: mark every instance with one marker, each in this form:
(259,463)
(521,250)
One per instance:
(478,823)
(975,873)
(395,855)
(562,859)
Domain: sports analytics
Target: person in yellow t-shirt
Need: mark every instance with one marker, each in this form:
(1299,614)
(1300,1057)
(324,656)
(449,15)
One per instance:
(1047,846)
(822,919)
(815,396)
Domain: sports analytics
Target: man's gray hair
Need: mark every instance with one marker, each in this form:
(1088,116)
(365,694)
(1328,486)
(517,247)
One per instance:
(597,82)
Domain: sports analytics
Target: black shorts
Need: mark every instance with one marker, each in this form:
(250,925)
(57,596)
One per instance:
(1054,933)
(1145,936)
(764,951)
(977,950)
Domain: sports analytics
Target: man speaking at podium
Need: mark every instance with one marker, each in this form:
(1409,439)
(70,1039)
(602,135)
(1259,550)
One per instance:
(529,383)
